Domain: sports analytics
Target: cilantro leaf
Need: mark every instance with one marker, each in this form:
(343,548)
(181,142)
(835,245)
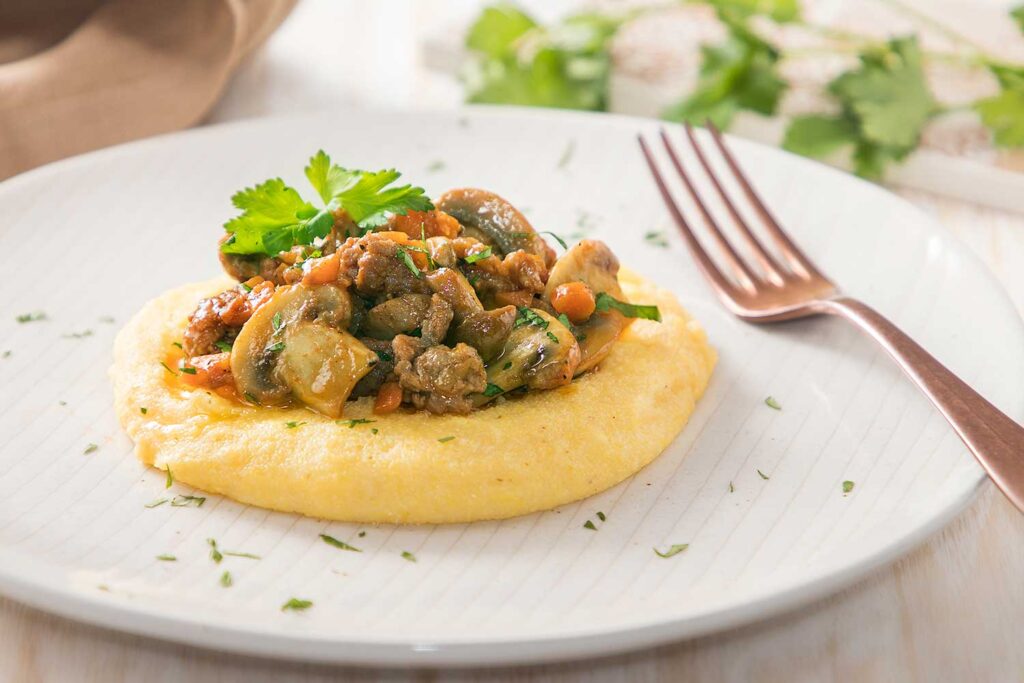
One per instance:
(888,94)
(1003,114)
(738,74)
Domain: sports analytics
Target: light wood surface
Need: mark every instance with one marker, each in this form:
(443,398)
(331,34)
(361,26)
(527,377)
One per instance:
(948,611)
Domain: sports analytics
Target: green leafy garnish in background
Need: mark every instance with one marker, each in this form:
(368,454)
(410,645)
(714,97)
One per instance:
(1004,113)
(275,217)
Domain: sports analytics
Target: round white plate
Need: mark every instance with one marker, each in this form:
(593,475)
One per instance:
(99,235)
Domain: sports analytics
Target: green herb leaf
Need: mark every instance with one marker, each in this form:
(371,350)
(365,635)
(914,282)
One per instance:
(296,605)
(763,475)
(672,550)
(235,553)
(274,219)
(772,403)
(167,558)
(606,302)
(370,202)
(156,503)
(226,580)
(446,439)
(479,256)
(563,161)
(356,421)
(35,316)
(493,390)
(168,368)
(777,10)
(292,424)
(818,136)
(551,336)
(589,525)
(406,555)
(497,28)
(331,540)
(223,346)
(732,489)
(848,486)
(1017,13)
(143,410)
(656,238)
(276,322)
(601,516)
(187,370)
(170,478)
(91,448)
(403,255)
(188,501)
(328,179)
(276,347)
(77,335)
(558,239)
(1003,114)
(215,554)
(527,316)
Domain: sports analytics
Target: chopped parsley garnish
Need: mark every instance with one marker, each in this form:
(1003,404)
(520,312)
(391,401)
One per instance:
(385,356)
(566,157)
(6,353)
(374,430)
(558,239)
(170,478)
(331,540)
(656,239)
(672,550)
(435,165)
(589,525)
(292,424)
(479,256)
(224,346)
(772,403)
(143,410)
(406,555)
(493,390)
(276,347)
(296,605)
(763,475)
(353,422)
(35,316)
(551,336)
(91,448)
(362,534)
(276,322)
(108,319)
(403,255)
(848,486)
(77,335)
(606,302)
(215,553)
(178,344)
(250,398)
(188,501)
(156,503)
(167,558)
(247,556)
(732,489)
(168,368)
(245,288)
(528,316)
(188,370)
(507,365)
(446,439)
(601,516)
(226,580)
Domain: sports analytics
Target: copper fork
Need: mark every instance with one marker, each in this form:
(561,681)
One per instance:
(765,285)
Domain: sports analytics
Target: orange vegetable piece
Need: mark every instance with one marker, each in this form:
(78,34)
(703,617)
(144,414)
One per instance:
(389,397)
(574,299)
(321,271)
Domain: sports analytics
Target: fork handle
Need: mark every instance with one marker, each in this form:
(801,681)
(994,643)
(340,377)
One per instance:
(995,440)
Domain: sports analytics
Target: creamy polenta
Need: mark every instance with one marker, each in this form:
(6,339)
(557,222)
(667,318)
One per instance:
(517,455)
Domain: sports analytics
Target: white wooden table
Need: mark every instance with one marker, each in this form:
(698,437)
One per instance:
(952,610)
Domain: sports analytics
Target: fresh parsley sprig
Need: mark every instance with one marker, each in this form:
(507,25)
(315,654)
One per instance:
(275,217)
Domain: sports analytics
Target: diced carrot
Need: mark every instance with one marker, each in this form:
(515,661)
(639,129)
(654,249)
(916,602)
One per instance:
(321,271)
(389,397)
(213,370)
(518,297)
(575,300)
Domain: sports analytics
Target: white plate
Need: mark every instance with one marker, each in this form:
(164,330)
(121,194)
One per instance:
(100,234)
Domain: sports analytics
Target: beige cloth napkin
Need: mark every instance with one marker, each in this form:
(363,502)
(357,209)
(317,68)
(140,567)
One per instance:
(76,75)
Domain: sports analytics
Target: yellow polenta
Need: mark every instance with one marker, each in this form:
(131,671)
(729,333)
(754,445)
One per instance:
(517,456)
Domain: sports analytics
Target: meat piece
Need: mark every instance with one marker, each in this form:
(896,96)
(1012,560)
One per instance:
(380,372)
(373,262)
(441,379)
(435,324)
(217,317)
(525,271)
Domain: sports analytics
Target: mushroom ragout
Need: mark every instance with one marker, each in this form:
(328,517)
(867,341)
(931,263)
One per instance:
(440,306)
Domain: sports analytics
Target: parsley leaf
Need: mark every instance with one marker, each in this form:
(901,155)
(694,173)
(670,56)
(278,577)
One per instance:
(479,256)
(331,540)
(848,486)
(1017,14)
(326,178)
(274,219)
(1003,114)
(296,605)
(777,10)
(818,136)
(606,301)
(497,29)
(406,555)
(738,74)
(369,202)
(673,550)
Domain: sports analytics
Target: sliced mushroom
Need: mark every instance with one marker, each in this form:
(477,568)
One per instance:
(485,331)
(537,355)
(396,316)
(321,365)
(492,220)
(441,251)
(254,355)
(594,264)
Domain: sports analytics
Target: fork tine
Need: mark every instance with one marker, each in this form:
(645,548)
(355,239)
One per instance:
(795,257)
(707,266)
(741,271)
(764,258)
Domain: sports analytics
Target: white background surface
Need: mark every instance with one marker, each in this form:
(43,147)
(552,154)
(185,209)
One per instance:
(950,611)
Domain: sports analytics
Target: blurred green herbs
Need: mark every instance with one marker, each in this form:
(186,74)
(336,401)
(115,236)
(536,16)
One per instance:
(882,103)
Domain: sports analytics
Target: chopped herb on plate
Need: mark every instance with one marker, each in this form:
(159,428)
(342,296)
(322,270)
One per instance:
(296,605)
(91,448)
(672,550)
(331,540)
(406,555)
